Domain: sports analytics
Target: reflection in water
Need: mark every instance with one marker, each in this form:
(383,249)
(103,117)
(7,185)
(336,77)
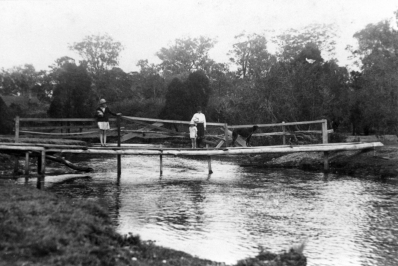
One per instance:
(226,217)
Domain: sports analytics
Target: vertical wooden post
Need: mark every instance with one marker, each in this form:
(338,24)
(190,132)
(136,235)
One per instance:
(161,164)
(40,182)
(17,129)
(209,161)
(43,163)
(16,165)
(324,132)
(226,134)
(27,163)
(284,132)
(119,156)
(39,163)
(325,141)
(326,161)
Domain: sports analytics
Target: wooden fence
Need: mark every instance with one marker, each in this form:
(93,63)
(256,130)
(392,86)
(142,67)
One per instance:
(71,127)
(78,127)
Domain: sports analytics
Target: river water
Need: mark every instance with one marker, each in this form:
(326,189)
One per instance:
(236,211)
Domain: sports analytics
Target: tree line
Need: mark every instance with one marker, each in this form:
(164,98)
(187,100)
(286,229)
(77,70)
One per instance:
(301,80)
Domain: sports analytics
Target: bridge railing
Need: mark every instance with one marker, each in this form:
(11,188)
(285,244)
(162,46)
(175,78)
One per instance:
(283,126)
(65,127)
(75,127)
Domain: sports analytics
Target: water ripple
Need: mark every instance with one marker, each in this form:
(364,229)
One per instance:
(229,215)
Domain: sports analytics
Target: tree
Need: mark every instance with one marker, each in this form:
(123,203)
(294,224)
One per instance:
(20,80)
(151,83)
(176,101)
(186,55)
(182,98)
(6,121)
(378,97)
(292,41)
(220,79)
(199,90)
(114,85)
(72,96)
(100,54)
(251,56)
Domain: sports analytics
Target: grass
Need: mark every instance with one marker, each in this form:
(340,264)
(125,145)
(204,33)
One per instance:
(40,228)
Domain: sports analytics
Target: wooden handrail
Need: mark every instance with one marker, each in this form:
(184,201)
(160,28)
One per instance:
(61,119)
(58,127)
(167,121)
(279,124)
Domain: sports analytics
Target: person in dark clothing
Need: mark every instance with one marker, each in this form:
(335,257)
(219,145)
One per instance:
(102,115)
(244,132)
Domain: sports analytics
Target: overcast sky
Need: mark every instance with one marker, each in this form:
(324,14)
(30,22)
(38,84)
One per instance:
(38,32)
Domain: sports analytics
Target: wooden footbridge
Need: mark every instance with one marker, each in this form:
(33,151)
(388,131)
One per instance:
(126,127)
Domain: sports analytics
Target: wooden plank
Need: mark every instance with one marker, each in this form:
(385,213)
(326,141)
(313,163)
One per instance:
(60,134)
(43,145)
(62,119)
(154,136)
(229,151)
(279,124)
(220,144)
(158,127)
(21,148)
(69,164)
(132,135)
(167,121)
(58,127)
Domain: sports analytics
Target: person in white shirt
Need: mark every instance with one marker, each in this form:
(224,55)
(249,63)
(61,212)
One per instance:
(200,120)
(193,133)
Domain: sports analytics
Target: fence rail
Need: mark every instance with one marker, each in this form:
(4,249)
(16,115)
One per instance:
(140,120)
(144,121)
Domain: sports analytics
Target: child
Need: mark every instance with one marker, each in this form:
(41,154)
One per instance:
(193,133)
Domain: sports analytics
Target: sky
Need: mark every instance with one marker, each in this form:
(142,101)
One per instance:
(38,32)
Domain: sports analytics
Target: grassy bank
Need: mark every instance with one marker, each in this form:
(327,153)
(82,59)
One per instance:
(41,228)
(380,162)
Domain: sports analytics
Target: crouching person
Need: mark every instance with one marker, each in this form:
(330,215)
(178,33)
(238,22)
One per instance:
(245,133)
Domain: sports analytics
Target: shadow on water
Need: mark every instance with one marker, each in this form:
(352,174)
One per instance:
(228,215)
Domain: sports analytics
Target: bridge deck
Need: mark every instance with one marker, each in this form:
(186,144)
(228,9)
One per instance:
(45,151)
(154,150)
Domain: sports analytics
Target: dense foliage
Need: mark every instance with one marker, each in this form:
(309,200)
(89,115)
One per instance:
(182,98)
(302,80)
(72,95)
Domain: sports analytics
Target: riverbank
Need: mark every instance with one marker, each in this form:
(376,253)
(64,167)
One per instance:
(41,228)
(380,162)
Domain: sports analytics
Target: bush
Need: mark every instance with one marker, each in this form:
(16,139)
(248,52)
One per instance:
(149,108)
(6,119)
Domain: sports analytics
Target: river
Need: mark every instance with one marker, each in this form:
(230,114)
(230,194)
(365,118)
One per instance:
(236,211)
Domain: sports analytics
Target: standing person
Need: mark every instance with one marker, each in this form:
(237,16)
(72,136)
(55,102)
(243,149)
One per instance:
(200,120)
(193,133)
(102,114)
